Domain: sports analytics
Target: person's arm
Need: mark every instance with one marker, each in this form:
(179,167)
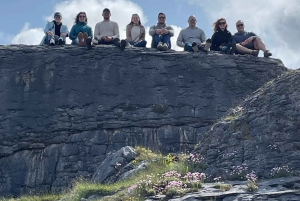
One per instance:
(72,33)
(214,43)
(116,31)
(180,42)
(97,34)
(152,31)
(202,37)
(171,31)
(234,39)
(65,30)
(48,27)
(143,34)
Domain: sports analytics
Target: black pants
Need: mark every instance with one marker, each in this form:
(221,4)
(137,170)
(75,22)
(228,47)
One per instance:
(115,41)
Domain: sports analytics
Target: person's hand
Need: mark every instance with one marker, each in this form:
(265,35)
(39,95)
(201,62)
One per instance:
(63,34)
(49,33)
(158,31)
(104,38)
(165,31)
(109,38)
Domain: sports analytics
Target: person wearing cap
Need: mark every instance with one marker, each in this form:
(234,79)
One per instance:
(249,40)
(192,38)
(55,31)
(81,34)
(161,34)
(107,31)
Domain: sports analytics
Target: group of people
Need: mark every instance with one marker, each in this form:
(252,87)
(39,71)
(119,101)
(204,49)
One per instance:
(192,38)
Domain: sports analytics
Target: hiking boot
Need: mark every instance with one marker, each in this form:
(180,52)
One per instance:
(228,48)
(80,39)
(85,37)
(255,53)
(159,46)
(123,45)
(195,47)
(60,41)
(233,48)
(89,43)
(165,47)
(207,44)
(267,53)
(52,42)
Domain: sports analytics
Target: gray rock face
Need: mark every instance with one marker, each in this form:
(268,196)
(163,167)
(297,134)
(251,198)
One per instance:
(64,108)
(263,133)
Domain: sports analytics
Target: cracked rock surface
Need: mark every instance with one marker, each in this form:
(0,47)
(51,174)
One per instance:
(63,109)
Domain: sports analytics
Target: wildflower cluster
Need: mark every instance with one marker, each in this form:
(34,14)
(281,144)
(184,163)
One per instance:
(195,161)
(239,172)
(252,178)
(283,171)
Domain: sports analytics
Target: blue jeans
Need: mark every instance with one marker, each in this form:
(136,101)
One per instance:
(142,43)
(75,42)
(162,38)
(188,47)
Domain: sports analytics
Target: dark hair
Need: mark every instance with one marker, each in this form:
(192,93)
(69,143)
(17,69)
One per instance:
(132,22)
(161,14)
(216,24)
(77,17)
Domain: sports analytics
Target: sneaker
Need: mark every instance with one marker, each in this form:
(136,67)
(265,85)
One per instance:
(89,43)
(207,44)
(267,53)
(52,42)
(233,48)
(165,47)
(195,47)
(255,53)
(123,45)
(228,48)
(60,41)
(80,39)
(95,42)
(160,46)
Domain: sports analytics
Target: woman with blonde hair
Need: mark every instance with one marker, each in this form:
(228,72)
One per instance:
(222,38)
(135,32)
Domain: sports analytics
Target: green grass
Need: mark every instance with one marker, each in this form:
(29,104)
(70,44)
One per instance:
(119,191)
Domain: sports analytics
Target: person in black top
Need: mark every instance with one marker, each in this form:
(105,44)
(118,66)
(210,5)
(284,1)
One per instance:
(221,39)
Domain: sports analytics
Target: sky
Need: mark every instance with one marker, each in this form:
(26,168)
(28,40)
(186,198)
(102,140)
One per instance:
(277,22)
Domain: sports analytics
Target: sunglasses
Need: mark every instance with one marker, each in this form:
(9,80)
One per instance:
(56,16)
(82,16)
(240,25)
(161,17)
(222,23)
(106,12)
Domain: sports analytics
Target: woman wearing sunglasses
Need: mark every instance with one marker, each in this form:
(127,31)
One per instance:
(81,34)
(221,39)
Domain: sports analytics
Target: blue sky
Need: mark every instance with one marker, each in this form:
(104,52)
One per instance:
(275,21)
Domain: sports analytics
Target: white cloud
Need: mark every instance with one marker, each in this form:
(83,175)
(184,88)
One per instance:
(29,36)
(276,22)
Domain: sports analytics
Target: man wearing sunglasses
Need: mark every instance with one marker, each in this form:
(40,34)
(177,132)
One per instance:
(55,31)
(249,39)
(107,31)
(192,38)
(161,34)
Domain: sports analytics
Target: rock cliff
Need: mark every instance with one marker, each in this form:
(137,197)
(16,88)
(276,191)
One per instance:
(64,108)
(262,134)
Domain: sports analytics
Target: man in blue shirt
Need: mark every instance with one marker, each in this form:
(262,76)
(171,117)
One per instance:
(249,40)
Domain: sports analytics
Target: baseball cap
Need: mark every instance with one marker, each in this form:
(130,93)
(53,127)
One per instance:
(106,10)
(57,14)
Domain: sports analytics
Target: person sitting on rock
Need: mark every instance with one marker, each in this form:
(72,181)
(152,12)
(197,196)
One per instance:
(192,38)
(107,31)
(249,40)
(55,31)
(221,39)
(161,34)
(81,34)
(135,32)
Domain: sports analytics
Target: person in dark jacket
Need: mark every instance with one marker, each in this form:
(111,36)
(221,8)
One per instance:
(221,39)
(81,34)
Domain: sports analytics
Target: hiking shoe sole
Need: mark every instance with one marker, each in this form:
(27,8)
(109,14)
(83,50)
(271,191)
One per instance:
(233,49)
(195,47)
(89,43)
(123,45)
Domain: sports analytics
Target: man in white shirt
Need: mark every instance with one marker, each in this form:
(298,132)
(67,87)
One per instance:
(107,31)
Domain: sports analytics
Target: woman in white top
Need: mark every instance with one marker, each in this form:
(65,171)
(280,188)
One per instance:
(135,32)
